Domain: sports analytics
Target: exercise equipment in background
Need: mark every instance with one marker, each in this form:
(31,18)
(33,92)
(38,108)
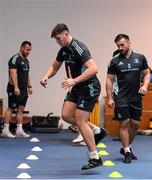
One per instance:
(47,123)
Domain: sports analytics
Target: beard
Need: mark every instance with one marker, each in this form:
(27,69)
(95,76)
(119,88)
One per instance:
(25,54)
(124,52)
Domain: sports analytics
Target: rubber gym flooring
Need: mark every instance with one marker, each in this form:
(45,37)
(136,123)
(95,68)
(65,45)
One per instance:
(55,157)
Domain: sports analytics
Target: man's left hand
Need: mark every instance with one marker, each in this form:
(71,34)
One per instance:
(143,90)
(67,83)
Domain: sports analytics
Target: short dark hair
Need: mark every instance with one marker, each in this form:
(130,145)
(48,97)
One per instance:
(120,36)
(24,43)
(58,29)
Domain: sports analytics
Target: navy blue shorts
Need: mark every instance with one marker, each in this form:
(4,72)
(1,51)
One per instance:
(130,110)
(15,101)
(85,96)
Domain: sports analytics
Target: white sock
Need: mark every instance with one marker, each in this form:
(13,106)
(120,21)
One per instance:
(127,149)
(19,127)
(6,126)
(79,134)
(96,129)
(93,155)
(129,145)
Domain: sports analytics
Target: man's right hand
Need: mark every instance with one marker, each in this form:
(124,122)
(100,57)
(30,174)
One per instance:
(17,91)
(111,103)
(44,81)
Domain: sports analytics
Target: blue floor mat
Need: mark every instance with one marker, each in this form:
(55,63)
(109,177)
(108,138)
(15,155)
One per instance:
(60,159)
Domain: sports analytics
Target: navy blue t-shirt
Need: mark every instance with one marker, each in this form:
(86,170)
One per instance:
(75,56)
(127,73)
(22,67)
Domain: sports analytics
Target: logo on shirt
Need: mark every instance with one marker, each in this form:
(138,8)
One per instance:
(136,61)
(64,53)
(121,63)
(69,62)
(129,66)
(26,68)
(22,63)
(70,59)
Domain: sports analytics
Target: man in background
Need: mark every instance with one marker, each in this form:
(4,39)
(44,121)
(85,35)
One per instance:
(124,91)
(18,88)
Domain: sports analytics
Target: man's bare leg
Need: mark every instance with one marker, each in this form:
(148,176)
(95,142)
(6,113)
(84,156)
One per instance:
(134,125)
(19,118)
(7,118)
(124,136)
(68,114)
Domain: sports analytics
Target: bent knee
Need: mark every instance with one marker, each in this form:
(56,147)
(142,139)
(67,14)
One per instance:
(124,124)
(66,116)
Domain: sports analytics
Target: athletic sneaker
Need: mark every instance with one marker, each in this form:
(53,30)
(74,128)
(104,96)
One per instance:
(22,134)
(128,157)
(92,163)
(82,143)
(100,136)
(123,153)
(78,139)
(7,134)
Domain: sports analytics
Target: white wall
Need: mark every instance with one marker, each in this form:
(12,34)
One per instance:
(95,22)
